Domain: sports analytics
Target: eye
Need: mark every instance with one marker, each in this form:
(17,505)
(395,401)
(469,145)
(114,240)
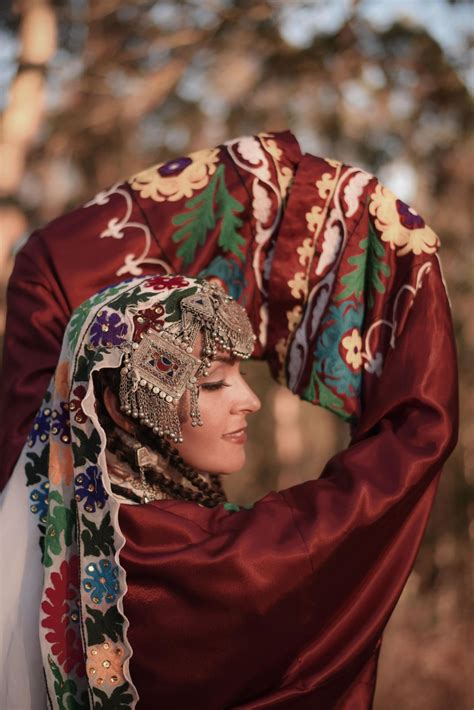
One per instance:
(210,386)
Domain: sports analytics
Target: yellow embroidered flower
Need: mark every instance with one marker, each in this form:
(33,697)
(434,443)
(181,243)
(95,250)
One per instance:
(177,178)
(353,344)
(400,225)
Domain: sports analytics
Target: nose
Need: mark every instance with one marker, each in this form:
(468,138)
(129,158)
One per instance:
(247,401)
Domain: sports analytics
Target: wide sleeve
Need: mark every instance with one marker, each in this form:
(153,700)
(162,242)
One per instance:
(36,318)
(378,349)
(214,214)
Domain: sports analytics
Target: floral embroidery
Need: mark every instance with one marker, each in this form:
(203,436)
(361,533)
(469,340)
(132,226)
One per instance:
(101,581)
(61,379)
(214,205)
(75,405)
(107,330)
(60,423)
(105,664)
(61,520)
(400,225)
(39,501)
(62,616)
(353,345)
(60,463)
(41,427)
(178,178)
(89,486)
(159,283)
(147,318)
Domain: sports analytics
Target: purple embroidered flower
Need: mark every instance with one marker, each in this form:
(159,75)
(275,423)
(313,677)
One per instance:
(102,581)
(107,330)
(408,217)
(41,427)
(60,423)
(39,501)
(174,167)
(89,487)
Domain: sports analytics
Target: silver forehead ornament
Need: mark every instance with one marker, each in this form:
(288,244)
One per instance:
(161,367)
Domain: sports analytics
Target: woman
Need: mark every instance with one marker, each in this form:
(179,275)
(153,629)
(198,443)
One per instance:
(282,605)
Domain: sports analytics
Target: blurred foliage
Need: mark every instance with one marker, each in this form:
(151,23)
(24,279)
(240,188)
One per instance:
(383,85)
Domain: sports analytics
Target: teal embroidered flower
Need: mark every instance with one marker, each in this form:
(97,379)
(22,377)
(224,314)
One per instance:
(101,581)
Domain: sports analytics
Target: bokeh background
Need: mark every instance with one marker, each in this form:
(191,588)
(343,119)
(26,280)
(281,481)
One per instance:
(92,92)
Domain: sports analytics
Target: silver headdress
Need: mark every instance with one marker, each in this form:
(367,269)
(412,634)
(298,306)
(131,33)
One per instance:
(159,368)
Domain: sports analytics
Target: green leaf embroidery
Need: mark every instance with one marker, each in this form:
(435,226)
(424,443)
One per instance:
(85,363)
(229,238)
(98,540)
(61,519)
(369,265)
(327,399)
(37,466)
(202,217)
(85,448)
(173,301)
(132,297)
(119,700)
(376,266)
(66,690)
(102,626)
(354,280)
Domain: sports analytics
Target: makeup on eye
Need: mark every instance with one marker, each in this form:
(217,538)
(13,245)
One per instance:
(214,385)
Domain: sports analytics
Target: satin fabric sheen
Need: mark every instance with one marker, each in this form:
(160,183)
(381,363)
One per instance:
(291,598)
(282,606)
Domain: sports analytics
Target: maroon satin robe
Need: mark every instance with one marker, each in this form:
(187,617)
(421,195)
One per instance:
(284,605)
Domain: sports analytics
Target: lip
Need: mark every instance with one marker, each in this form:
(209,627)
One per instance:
(239,436)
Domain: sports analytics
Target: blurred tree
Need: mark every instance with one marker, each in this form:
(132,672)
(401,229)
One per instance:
(382,85)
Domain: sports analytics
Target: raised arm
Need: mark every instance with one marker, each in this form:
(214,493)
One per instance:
(377,348)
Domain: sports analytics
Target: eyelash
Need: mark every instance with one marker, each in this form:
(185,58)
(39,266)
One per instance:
(214,385)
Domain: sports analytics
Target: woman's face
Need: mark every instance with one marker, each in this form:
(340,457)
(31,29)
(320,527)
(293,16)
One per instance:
(225,400)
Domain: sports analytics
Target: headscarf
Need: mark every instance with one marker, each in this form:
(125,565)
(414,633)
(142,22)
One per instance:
(147,327)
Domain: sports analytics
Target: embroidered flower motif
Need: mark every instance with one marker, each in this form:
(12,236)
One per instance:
(60,463)
(147,318)
(105,664)
(107,330)
(174,167)
(159,283)
(89,486)
(353,344)
(61,379)
(41,427)
(61,616)
(102,581)
(400,225)
(39,501)
(75,405)
(60,423)
(177,178)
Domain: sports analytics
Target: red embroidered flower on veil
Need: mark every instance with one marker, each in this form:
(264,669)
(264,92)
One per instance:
(61,616)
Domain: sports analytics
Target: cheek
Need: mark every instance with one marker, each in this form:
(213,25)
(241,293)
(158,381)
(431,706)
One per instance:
(203,447)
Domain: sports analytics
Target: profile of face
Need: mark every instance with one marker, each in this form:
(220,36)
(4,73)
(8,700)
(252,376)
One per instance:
(225,401)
